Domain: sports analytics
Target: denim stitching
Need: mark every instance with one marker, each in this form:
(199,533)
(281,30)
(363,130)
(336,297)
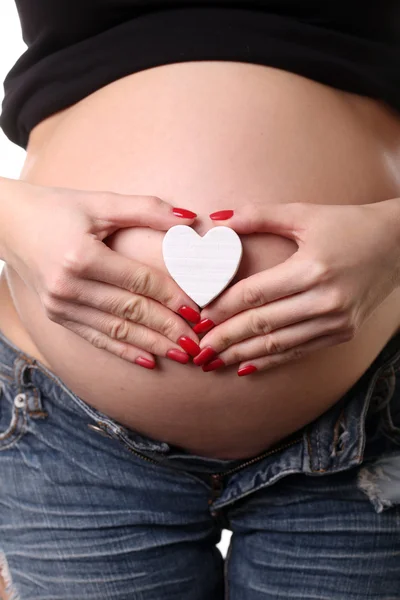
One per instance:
(381,401)
(36,397)
(370,390)
(17,369)
(310,452)
(13,429)
(22,385)
(4,368)
(379,374)
(309,446)
(8,378)
(37,409)
(17,412)
(340,423)
(4,374)
(390,428)
(34,390)
(318,451)
(14,423)
(367,402)
(40,414)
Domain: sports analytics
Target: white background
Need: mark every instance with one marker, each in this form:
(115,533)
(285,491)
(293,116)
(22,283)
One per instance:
(11,156)
(11,48)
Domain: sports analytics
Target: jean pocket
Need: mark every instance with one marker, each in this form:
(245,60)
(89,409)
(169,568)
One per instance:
(383,421)
(13,413)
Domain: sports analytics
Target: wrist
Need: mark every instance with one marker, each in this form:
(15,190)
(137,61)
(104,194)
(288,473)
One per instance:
(388,211)
(12,209)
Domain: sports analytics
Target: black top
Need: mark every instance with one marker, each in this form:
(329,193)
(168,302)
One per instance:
(77,46)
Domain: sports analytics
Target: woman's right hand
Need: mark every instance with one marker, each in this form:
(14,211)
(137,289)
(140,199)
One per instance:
(56,246)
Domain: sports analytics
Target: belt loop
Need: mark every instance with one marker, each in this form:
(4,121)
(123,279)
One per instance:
(23,369)
(19,369)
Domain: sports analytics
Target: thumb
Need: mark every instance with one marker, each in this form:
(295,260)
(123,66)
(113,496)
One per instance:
(288,219)
(116,211)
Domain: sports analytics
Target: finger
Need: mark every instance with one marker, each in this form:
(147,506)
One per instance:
(100,263)
(134,308)
(286,219)
(111,211)
(279,341)
(292,276)
(122,330)
(294,354)
(120,349)
(262,321)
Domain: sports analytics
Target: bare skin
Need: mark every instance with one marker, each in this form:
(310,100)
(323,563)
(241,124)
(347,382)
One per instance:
(210,136)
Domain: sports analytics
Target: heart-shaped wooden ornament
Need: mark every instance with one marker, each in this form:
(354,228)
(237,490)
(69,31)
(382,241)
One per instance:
(202,266)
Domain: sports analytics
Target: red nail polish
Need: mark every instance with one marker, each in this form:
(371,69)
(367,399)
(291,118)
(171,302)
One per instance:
(185,214)
(189,314)
(205,355)
(214,364)
(145,362)
(246,370)
(178,356)
(221,215)
(189,345)
(203,326)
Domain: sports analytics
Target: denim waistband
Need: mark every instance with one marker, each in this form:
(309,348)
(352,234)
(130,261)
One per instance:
(26,371)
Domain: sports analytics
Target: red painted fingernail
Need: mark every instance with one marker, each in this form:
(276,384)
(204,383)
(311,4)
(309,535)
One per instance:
(221,215)
(189,314)
(205,355)
(214,364)
(189,345)
(185,214)
(246,370)
(178,356)
(145,362)
(204,325)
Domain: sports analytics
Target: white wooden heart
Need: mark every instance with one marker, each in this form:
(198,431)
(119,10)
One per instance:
(202,266)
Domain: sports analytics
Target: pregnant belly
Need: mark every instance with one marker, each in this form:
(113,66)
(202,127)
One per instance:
(210,136)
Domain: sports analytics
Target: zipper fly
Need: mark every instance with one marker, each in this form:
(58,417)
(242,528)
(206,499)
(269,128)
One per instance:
(217,477)
(258,458)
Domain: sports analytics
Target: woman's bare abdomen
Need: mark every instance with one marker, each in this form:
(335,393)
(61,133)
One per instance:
(209,136)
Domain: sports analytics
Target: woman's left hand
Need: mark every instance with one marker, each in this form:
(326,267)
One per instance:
(347,263)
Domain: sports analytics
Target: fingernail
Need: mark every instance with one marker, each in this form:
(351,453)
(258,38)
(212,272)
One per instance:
(145,362)
(189,345)
(178,356)
(189,314)
(205,355)
(185,214)
(221,215)
(214,364)
(203,326)
(246,370)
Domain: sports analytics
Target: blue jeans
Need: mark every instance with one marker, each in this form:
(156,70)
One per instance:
(90,510)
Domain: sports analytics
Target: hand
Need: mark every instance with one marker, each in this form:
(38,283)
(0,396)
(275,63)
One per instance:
(115,303)
(346,264)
